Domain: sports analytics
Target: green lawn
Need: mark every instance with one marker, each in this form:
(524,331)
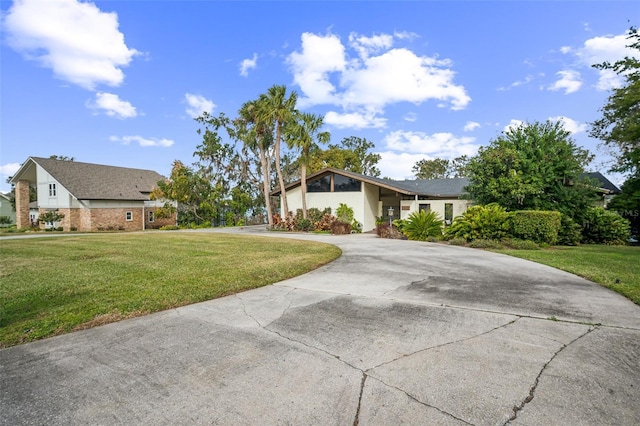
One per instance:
(614,267)
(54,285)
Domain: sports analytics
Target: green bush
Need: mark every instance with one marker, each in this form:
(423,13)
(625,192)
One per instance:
(604,227)
(169,228)
(344,213)
(488,222)
(421,226)
(303,224)
(569,233)
(458,242)
(486,244)
(535,225)
(517,244)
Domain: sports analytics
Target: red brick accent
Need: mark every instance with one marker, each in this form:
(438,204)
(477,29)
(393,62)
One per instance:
(22,204)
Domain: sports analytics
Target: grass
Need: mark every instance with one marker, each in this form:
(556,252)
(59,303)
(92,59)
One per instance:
(50,286)
(614,267)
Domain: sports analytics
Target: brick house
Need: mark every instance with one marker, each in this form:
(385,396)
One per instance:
(92,197)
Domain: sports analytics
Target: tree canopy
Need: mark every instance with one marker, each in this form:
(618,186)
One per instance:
(440,168)
(619,126)
(532,166)
(352,154)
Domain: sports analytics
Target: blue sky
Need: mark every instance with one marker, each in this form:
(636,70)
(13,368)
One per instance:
(119,82)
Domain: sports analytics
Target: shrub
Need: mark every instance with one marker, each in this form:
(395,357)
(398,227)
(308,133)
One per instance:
(169,228)
(324,224)
(304,225)
(535,225)
(421,225)
(344,213)
(458,242)
(384,230)
(517,244)
(486,244)
(356,227)
(488,222)
(340,228)
(604,227)
(569,233)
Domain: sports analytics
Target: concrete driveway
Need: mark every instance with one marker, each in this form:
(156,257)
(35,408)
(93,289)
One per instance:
(393,332)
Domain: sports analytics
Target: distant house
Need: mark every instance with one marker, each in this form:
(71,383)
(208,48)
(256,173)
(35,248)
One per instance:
(6,209)
(92,197)
(606,188)
(371,197)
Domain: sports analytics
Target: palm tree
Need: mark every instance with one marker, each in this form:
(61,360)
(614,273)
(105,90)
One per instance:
(257,135)
(276,108)
(303,134)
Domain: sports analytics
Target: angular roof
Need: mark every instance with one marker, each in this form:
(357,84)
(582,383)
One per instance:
(86,181)
(451,187)
(603,181)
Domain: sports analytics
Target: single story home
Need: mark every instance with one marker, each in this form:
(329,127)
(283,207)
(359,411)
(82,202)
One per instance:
(606,188)
(6,209)
(371,197)
(92,197)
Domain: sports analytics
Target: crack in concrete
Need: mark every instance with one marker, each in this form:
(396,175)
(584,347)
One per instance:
(413,398)
(356,421)
(244,309)
(532,390)
(444,344)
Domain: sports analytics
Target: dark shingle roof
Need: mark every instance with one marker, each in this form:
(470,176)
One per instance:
(452,187)
(603,181)
(87,181)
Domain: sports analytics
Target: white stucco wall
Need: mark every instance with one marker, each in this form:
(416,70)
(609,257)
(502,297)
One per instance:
(459,206)
(364,203)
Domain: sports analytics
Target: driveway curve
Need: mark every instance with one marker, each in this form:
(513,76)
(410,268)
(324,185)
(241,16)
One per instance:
(392,332)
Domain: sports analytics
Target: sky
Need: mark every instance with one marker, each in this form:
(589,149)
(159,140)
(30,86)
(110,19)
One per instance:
(120,82)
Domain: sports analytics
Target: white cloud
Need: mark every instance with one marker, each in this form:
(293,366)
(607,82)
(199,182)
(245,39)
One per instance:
(398,165)
(471,126)
(440,145)
(411,117)
(8,170)
(513,124)
(113,106)
(570,125)
(197,104)
(375,77)
(366,46)
(565,49)
(79,42)
(608,48)
(569,82)
(355,120)
(248,64)
(144,142)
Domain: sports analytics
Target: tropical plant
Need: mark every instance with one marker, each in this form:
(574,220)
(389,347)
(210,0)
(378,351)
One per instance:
(304,133)
(604,227)
(344,213)
(422,225)
(488,222)
(275,108)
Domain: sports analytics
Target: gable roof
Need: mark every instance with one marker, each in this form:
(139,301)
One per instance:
(86,181)
(603,181)
(451,187)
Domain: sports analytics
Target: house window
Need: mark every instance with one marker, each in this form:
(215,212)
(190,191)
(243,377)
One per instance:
(151,216)
(346,184)
(425,207)
(322,184)
(129,216)
(448,213)
(52,190)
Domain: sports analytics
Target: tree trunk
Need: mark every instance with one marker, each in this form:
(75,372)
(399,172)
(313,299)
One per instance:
(283,193)
(265,185)
(303,188)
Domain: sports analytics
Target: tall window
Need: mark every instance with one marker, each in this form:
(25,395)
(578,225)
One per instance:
(448,213)
(151,216)
(345,184)
(52,190)
(320,185)
(129,216)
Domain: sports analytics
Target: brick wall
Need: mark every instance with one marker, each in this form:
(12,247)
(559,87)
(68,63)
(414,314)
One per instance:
(22,204)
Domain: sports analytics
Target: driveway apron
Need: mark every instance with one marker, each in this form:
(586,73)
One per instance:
(392,332)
